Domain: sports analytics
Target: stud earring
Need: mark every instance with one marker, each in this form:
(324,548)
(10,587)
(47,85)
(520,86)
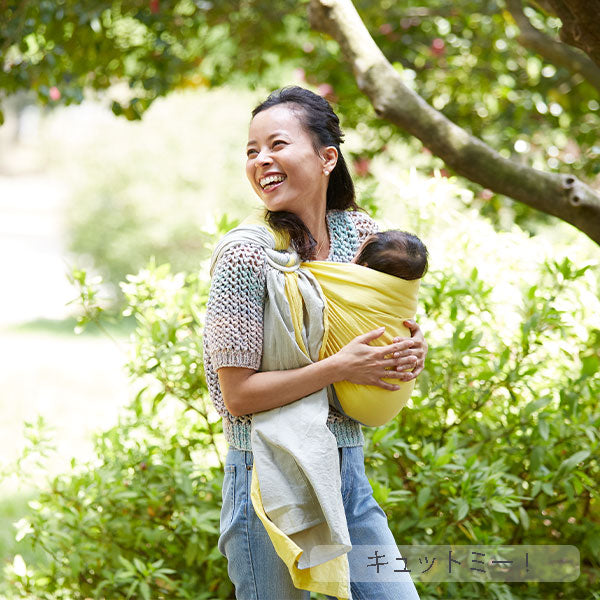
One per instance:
(326,172)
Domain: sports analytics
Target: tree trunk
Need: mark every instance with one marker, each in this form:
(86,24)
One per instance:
(580,24)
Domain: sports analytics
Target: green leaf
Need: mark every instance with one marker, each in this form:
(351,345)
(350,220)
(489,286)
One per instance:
(537,457)
(379,435)
(141,567)
(145,590)
(590,365)
(75,565)
(462,509)
(126,564)
(570,463)
(132,588)
(499,507)
(532,407)
(191,552)
(577,485)
(569,489)
(524,518)
(423,496)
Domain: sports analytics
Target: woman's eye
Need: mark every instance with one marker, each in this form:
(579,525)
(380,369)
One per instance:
(278,143)
(250,153)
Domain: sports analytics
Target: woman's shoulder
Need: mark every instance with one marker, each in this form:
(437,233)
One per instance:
(359,219)
(240,259)
(244,243)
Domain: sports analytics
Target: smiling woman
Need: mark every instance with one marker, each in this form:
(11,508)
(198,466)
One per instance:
(295,166)
(286,170)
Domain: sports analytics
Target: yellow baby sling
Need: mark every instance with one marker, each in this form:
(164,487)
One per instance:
(359,300)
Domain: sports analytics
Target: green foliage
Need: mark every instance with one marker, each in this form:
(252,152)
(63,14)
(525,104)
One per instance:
(465,59)
(163,185)
(462,57)
(500,447)
(142,521)
(60,49)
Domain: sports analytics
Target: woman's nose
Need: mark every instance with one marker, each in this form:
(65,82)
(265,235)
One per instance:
(263,158)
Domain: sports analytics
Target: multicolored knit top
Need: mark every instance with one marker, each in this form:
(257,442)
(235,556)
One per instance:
(233,334)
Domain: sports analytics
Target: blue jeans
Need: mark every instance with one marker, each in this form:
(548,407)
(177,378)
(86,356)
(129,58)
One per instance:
(252,563)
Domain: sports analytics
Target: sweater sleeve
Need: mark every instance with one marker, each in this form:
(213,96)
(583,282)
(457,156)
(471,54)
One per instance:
(234,314)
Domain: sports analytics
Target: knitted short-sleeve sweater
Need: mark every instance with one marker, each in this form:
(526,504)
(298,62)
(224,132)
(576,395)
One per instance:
(233,333)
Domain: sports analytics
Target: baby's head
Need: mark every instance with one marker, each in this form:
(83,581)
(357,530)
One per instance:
(394,252)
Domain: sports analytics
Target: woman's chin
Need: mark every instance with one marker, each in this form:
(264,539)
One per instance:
(275,204)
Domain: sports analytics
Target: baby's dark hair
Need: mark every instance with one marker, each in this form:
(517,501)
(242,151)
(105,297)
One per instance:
(395,252)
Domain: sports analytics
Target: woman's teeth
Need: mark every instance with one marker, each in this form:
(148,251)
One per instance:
(269,181)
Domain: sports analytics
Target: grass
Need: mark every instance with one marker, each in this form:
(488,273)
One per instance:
(118,327)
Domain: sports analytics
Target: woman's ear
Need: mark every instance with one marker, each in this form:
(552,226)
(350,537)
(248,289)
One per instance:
(329,154)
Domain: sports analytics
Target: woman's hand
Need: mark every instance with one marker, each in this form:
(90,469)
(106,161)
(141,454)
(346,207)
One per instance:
(415,353)
(363,364)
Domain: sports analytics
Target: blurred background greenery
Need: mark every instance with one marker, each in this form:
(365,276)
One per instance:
(499,444)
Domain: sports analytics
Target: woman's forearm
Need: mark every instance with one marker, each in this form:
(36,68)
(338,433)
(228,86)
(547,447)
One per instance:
(246,391)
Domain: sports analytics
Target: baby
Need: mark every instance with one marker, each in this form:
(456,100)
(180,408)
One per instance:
(359,302)
(394,252)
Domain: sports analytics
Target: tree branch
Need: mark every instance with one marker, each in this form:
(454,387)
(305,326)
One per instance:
(563,196)
(552,50)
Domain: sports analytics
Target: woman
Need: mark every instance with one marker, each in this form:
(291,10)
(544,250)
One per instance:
(296,168)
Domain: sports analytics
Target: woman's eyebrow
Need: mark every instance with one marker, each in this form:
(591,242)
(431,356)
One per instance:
(275,134)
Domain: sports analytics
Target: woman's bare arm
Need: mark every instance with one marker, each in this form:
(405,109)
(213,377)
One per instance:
(246,391)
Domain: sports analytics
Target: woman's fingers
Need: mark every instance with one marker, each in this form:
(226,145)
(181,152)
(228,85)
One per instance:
(396,348)
(405,376)
(412,326)
(366,364)
(408,363)
(399,364)
(402,377)
(365,338)
(391,374)
(387,386)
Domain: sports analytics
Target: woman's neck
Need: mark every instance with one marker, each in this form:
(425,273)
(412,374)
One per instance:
(317,225)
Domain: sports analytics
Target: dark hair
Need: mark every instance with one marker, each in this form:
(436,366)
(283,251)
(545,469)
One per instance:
(319,120)
(395,252)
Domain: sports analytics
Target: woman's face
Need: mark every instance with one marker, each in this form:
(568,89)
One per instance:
(283,167)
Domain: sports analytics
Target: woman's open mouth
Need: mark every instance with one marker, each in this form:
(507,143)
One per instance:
(268,184)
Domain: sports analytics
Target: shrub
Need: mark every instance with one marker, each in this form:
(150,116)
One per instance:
(501,444)
(143,520)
